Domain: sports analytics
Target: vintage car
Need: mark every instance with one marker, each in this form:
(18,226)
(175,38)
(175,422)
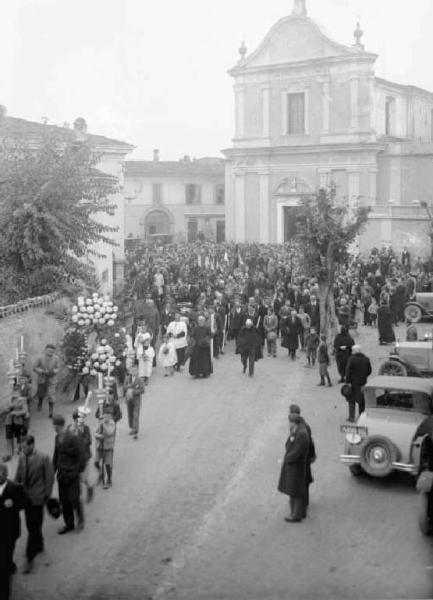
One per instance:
(413,359)
(421,306)
(395,432)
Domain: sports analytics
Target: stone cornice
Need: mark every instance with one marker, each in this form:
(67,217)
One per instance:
(365,57)
(290,150)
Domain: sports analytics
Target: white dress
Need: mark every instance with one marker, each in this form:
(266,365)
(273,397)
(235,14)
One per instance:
(145,356)
(176,327)
(167,359)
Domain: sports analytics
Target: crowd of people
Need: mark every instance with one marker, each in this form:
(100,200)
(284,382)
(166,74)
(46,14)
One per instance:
(187,301)
(199,296)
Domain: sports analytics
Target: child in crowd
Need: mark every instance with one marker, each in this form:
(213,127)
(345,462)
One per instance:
(323,359)
(105,437)
(16,422)
(167,355)
(134,389)
(145,356)
(312,342)
(372,311)
(306,323)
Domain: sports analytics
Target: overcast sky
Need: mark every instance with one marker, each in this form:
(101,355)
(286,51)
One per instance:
(155,73)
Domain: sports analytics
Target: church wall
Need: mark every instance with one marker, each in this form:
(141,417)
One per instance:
(422,115)
(340,106)
(411,233)
(252,208)
(253,111)
(364,105)
(399,232)
(417,178)
(383,180)
(371,237)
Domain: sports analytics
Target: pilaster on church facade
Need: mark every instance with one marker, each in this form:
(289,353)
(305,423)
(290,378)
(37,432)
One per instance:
(312,112)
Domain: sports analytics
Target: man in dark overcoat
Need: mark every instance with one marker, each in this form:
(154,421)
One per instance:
(249,346)
(358,370)
(292,331)
(294,409)
(293,475)
(313,309)
(12,500)
(69,461)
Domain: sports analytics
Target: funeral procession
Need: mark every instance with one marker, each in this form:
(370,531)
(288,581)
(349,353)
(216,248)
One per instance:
(216,300)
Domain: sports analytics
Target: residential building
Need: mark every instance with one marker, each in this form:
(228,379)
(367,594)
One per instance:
(312,113)
(174,200)
(107,259)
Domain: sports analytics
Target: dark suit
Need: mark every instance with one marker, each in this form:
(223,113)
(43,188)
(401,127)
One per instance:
(10,530)
(311,458)
(69,461)
(36,474)
(314,311)
(249,346)
(358,370)
(293,476)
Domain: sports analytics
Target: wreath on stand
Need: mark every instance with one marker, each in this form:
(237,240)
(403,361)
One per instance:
(94,342)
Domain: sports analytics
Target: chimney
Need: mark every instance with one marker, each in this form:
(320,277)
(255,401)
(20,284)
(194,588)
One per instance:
(156,155)
(80,125)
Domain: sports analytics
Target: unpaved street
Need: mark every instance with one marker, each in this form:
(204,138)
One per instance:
(194,512)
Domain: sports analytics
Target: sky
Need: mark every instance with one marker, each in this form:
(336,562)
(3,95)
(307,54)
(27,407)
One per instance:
(154,74)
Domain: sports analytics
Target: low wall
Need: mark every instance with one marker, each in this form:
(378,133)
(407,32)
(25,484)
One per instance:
(37,329)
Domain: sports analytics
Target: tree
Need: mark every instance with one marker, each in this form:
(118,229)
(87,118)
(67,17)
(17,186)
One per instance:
(325,230)
(50,196)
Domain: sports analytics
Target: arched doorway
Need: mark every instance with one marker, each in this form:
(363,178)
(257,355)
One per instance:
(157,222)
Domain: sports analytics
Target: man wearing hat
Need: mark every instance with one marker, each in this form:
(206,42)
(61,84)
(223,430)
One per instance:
(294,409)
(79,428)
(69,461)
(249,345)
(293,474)
(35,474)
(358,370)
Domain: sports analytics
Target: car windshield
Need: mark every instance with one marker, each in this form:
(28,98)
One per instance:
(402,400)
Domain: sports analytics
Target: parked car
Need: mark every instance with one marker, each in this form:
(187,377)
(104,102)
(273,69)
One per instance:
(413,359)
(395,432)
(421,306)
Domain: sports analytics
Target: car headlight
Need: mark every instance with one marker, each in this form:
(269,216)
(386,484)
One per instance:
(353,438)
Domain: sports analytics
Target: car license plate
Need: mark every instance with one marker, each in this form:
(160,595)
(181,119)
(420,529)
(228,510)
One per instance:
(354,429)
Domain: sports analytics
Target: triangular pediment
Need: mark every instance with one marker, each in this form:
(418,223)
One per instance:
(295,39)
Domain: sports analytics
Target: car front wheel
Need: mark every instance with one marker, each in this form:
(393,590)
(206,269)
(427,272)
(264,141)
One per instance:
(413,313)
(377,454)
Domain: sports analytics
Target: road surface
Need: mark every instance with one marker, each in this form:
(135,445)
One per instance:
(194,513)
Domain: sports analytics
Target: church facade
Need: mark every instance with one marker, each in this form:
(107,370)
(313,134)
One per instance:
(311,113)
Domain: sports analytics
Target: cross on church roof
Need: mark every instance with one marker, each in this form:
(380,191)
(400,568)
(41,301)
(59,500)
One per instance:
(300,8)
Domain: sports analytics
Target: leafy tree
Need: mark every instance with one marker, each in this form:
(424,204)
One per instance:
(50,196)
(325,231)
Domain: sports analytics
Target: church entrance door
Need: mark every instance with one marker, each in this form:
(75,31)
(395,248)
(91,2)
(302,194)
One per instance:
(290,214)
